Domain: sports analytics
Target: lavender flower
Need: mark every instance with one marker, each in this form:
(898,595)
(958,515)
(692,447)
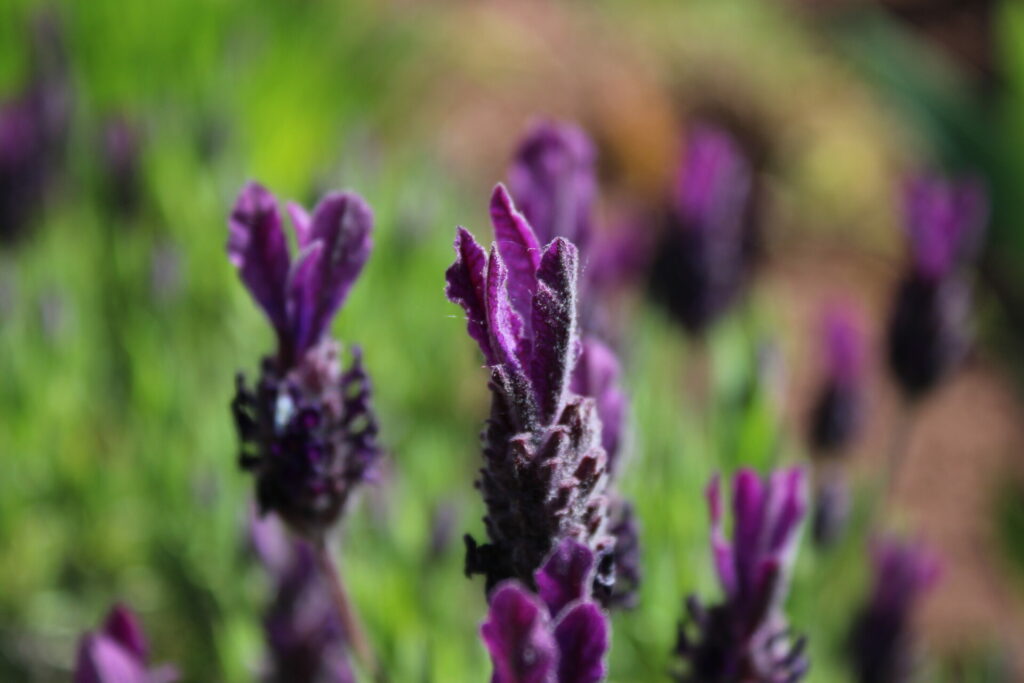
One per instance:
(120,152)
(305,635)
(557,635)
(838,412)
(882,640)
(929,323)
(544,470)
(831,510)
(745,639)
(704,262)
(307,429)
(117,652)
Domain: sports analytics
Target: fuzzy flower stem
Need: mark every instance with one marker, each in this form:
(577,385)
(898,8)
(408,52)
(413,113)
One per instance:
(350,620)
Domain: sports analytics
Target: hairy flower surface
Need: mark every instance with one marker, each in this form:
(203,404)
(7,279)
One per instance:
(118,652)
(929,324)
(556,635)
(307,429)
(544,468)
(745,639)
(838,412)
(305,636)
(882,640)
(705,260)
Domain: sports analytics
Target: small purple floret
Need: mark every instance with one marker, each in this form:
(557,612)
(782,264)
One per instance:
(838,411)
(118,653)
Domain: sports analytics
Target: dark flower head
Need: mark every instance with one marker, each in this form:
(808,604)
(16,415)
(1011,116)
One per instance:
(308,429)
(703,264)
(557,635)
(929,326)
(745,639)
(882,639)
(117,652)
(618,577)
(838,412)
(553,181)
(831,511)
(305,637)
(944,219)
(120,152)
(544,467)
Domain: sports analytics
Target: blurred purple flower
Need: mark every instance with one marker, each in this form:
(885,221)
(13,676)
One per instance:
(117,652)
(838,411)
(305,635)
(120,153)
(308,429)
(34,130)
(705,260)
(544,470)
(557,635)
(882,639)
(831,511)
(597,375)
(929,326)
(745,639)
(618,577)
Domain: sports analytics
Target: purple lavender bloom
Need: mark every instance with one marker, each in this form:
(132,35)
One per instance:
(745,639)
(305,636)
(882,640)
(33,130)
(618,577)
(120,153)
(307,429)
(556,635)
(838,412)
(705,259)
(929,324)
(544,470)
(117,652)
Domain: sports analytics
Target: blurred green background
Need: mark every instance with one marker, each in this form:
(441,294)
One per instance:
(121,332)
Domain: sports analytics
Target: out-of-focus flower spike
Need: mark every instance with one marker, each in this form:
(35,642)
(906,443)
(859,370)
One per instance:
(258,248)
(597,375)
(467,285)
(944,221)
(838,410)
(721,549)
(118,653)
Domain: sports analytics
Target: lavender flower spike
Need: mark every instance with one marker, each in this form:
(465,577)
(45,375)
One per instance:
(838,412)
(307,429)
(929,324)
(305,636)
(881,641)
(544,468)
(745,639)
(118,653)
(557,635)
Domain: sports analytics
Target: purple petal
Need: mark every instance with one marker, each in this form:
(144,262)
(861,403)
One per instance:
(503,324)
(104,660)
(554,327)
(566,575)
(518,248)
(466,286)
(341,223)
(748,518)
(300,222)
(597,375)
(582,634)
(944,219)
(258,249)
(725,563)
(122,626)
(714,182)
(553,181)
(518,637)
(784,510)
(844,345)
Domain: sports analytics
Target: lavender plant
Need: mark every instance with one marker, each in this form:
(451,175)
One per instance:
(304,634)
(307,428)
(705,259)
(118,652)
(929,324)
(882,643)
(555,634)
(745,639)
(545,470)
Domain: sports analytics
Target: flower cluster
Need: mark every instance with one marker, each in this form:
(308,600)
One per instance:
(545,469)
(881,641)
(929,321)
(307,429)
(305,635)
(556,635)
(706,257)
(117,652)
(746,639)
